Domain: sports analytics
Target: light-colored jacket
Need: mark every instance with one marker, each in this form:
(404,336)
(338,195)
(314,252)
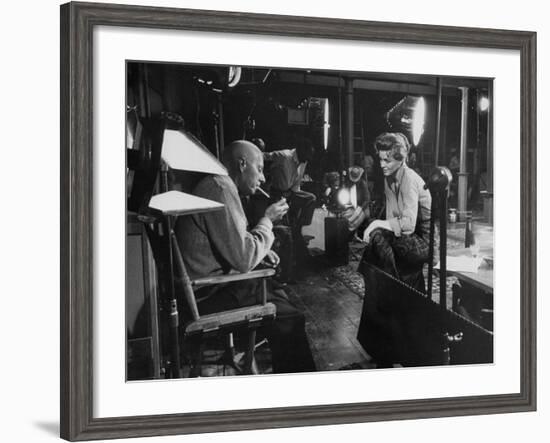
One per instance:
(218,242)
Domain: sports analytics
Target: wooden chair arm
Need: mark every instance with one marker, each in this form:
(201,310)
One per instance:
(227,278)
(232,319)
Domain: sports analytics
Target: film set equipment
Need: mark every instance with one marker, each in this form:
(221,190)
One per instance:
(341,189)
(438,183)
(159,146)
(337,197)
(407,116)
(343,192)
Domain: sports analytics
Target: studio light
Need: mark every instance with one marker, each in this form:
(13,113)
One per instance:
(483,104)
(343,197)
(408,116)
(233,76)
(419,115)
(338,195)
(326,125)
(317,117)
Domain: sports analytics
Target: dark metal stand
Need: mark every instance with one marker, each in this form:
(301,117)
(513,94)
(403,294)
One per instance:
(175,362)
(438,184)
(443,247)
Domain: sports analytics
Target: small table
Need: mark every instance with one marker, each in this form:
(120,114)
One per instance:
(483,279)
(474,299)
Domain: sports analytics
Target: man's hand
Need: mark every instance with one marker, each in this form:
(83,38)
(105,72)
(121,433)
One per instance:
(355,217)
(271,259)
(383,224)
(276,211)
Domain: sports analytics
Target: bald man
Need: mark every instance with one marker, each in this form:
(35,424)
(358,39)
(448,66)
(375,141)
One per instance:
(217,242)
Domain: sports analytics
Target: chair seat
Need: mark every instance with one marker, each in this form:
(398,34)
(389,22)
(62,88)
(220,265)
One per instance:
(230,320)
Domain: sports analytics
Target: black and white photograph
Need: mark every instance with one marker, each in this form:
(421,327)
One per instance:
(284,220)
(243,222)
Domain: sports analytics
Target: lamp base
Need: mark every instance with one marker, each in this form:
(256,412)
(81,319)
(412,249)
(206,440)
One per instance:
(336,240)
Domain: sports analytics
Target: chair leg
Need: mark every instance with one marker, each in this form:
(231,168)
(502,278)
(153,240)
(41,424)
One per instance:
(196,362)
(250,366)
(230,357)
(231,347)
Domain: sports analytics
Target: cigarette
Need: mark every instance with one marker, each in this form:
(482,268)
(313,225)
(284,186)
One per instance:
(264,193)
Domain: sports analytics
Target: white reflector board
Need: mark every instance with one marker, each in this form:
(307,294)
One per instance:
(180,203)
(185,153)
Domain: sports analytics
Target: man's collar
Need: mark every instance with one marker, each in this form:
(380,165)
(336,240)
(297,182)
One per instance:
(295,156)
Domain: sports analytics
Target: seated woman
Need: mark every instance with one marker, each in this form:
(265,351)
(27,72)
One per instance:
(399,244)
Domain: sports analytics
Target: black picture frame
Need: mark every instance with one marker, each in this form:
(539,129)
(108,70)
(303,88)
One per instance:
(77,23)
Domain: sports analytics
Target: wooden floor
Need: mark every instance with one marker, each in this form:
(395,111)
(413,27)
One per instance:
(331,297)
(331,300)
(332,313)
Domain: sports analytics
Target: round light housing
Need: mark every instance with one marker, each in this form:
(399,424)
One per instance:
(343,197)
(483,104)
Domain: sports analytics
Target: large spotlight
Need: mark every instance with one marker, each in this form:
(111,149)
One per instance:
(408,116)
(318,119)
(326,125)
(483,104)
(419,116)
(233,76)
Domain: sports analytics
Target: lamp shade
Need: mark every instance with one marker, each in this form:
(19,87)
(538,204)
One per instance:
(181,203)
(183,152)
